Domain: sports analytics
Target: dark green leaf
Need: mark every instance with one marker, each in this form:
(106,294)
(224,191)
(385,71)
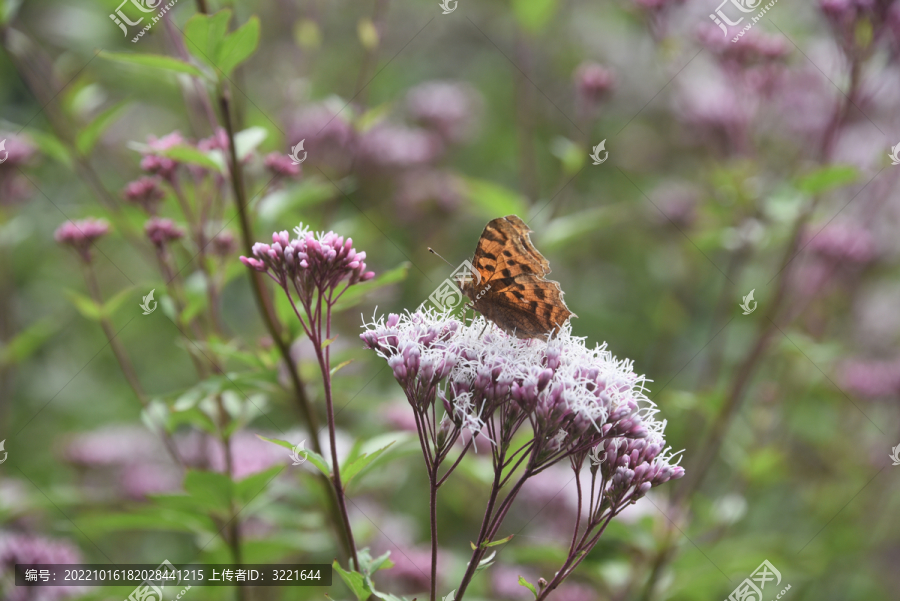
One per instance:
(238,46)
(203,34)
(355,581)
(251,486)
(213,490)
(87,138)
(154,60)
(359,464)
(313,457)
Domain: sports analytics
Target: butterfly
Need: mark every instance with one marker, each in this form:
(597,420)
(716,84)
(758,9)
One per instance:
(509,287)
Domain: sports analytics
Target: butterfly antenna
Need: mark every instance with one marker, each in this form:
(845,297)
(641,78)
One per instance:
(434,252)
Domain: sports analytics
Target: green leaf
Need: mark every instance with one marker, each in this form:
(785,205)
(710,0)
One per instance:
(359,464)
(356,292)
(88,137)
(827,178)
(50,145)
(213,490)
(328,341)
(203,34)
(157,61)
(116,301)
(529,586)
(238,46)
(8,10)
(571,155)
(371,565)
(248,140)
(85,305)
(194,156)
(493,200)
(250,487)
(27,342)
(306,193)
(334,370)
(355,581)
(313,457)
(495,543)
(532,15)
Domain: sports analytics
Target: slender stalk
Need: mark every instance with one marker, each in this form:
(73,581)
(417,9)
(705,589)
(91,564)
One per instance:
(122,357)
(267,312)
(234,525)
(433,482)
(325,367)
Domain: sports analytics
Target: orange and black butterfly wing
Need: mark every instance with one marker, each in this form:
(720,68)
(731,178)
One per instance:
(520,300)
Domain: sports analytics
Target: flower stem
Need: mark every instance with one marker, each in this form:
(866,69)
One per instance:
(433,482)
(121,356)
(266,310)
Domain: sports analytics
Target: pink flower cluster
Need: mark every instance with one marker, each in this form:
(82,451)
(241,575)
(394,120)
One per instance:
(81,234)
(310,262)
(577,400)
(26,548)
(162,231)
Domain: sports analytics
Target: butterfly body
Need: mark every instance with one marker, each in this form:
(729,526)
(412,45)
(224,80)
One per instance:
(509,287)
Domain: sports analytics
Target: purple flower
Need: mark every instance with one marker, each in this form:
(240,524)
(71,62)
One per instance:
(397,146)
(144,192)
(573,397)
(592,83)
(157,164)
(18,151)
(112,445)
(162,231)
(28,548)
(81,234)
(872,379)
(843,242)
(217,141)
(754,47)
(310,262)
(421,186)
(281,165)
(449,108)
(328,134)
